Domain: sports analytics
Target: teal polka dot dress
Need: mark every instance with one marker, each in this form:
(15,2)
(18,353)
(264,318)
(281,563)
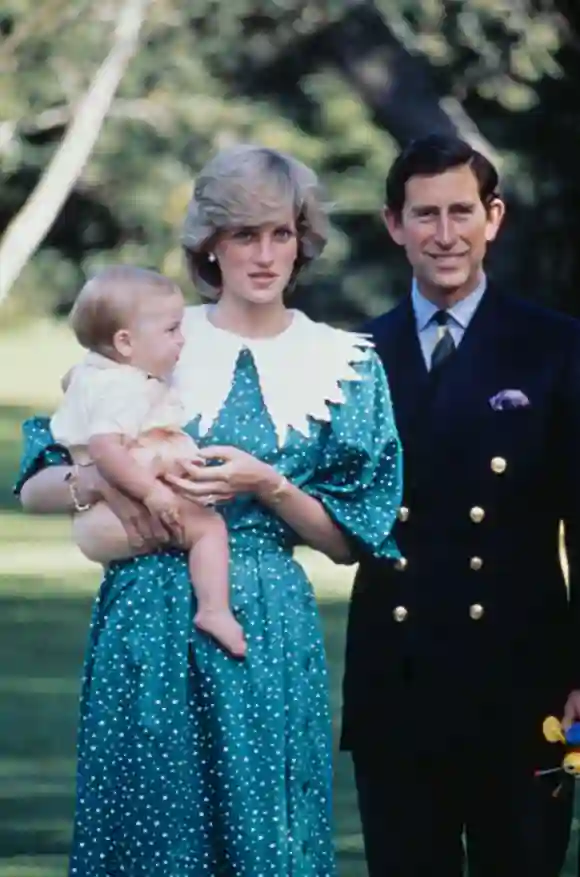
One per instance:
(192,764)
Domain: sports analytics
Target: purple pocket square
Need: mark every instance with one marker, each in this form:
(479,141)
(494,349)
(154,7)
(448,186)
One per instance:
(505,400)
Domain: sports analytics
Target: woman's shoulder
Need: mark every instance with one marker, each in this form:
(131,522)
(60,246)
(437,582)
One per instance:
(315,367)
(337,346)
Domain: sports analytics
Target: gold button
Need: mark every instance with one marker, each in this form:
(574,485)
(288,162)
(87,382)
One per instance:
(401,564)
(403,513)
(476,611)
(476,563)
(498,465)
(400,613)
(477,514)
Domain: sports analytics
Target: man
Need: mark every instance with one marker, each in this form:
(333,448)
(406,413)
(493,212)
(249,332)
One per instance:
(459,650)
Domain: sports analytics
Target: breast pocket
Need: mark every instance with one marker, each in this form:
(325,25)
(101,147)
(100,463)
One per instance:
(516,440)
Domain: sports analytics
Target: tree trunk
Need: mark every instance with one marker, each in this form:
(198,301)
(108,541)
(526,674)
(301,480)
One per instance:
(31,224)
(397,85)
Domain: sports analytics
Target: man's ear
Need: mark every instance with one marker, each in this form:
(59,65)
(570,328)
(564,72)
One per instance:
(393,223)
(495,216)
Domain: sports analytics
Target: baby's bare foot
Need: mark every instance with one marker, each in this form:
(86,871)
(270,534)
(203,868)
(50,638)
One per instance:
(223,627)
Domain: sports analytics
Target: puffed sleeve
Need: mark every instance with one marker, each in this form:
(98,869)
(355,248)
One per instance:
(359,477)
(39,450)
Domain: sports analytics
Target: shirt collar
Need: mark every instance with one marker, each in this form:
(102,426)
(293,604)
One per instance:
(461,312)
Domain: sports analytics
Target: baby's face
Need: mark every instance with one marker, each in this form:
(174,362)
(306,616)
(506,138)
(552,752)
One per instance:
(155,334)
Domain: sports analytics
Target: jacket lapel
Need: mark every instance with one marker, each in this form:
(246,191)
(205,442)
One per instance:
(440,416)
(480,365)
(400,352)
(471,363)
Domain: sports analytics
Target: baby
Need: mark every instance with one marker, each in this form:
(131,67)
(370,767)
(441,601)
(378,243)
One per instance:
(120,412)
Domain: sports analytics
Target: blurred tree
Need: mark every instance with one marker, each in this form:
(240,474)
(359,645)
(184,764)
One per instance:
(30,225)
(340,84)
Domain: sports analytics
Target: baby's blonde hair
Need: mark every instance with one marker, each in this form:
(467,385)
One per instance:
(109,300)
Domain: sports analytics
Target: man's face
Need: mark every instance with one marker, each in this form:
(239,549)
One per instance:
(445,229)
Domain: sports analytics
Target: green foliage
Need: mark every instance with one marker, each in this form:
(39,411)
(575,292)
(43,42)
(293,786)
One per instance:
(212,73)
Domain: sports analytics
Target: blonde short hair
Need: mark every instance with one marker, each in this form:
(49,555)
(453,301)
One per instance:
(248,186)
(108,302)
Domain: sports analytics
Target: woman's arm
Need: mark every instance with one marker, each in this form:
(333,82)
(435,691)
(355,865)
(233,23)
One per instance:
(306,515)
(239,472)
(48,492)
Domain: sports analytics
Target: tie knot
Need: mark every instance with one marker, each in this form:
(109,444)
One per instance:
(441,318)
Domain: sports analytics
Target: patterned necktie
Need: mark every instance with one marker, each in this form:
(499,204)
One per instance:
(445,346)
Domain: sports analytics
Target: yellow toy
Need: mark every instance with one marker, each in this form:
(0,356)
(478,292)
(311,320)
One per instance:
(554,733)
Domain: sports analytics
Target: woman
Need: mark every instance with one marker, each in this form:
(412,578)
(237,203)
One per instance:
(192,764)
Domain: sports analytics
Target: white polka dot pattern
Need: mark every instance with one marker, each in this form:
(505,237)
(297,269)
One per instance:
(192,764)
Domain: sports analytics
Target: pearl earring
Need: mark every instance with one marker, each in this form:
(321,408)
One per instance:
(211,257)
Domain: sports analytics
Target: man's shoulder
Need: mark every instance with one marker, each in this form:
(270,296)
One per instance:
(384,324)
(527,316)
(533,318)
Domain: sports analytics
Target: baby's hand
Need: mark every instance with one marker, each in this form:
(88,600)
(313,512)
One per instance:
(185,466)
(163,503)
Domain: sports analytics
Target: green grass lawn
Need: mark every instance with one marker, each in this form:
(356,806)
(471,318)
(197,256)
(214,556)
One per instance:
(46,590)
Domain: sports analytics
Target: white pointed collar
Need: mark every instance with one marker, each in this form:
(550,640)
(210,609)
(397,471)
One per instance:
(300,370)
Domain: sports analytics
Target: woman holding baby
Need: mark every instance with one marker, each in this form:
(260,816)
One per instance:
(194,763)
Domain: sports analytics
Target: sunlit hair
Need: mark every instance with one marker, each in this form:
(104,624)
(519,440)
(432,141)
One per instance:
(110,300)
(245,187)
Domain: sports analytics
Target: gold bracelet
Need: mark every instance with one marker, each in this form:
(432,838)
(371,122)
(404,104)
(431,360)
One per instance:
(71,478)
(279,491)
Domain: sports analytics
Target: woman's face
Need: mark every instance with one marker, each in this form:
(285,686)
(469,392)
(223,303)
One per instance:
(256,263)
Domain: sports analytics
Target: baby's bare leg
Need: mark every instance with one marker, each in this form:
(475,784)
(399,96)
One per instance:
(207,543)
(206,540)
(100,535)
(98,532)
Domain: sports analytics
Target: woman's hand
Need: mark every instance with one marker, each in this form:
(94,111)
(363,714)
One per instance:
(239,472)
(144,530)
